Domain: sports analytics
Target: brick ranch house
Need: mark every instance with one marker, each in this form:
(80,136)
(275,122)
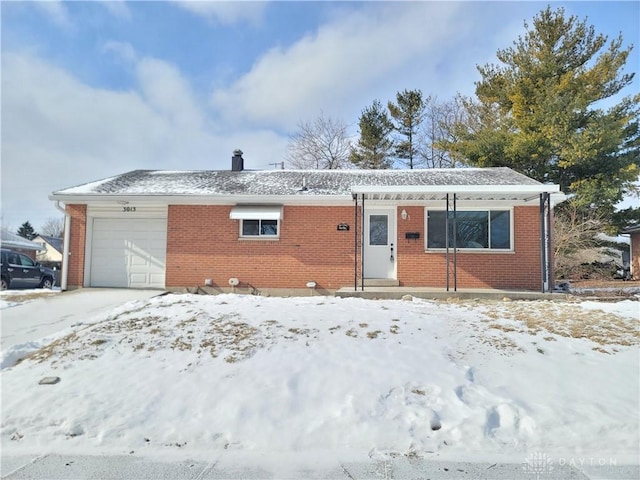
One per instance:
(285,231)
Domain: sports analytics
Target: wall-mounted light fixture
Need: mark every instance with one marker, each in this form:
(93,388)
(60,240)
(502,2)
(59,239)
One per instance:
(403,214)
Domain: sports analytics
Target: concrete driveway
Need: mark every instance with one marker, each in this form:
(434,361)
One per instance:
(36,319)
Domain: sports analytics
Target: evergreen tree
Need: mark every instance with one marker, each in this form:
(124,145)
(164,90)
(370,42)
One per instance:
(27,231)
(541,111)
(374,147)
(407,113)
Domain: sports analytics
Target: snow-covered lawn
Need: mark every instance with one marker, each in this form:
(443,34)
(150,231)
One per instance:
(186,375)
(11,298)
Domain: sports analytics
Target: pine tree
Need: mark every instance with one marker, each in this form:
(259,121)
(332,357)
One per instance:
(374,147)
(543,111)
(27,231)
(407,113)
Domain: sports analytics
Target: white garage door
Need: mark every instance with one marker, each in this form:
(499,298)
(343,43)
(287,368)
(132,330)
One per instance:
(128,252)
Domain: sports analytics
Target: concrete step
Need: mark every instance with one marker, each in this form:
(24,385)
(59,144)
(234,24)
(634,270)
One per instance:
(381,282)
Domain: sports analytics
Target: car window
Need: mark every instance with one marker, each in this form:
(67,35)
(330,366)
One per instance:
(26,261)
(13,259)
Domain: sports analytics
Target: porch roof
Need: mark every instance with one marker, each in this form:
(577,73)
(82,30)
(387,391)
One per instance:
(483,193)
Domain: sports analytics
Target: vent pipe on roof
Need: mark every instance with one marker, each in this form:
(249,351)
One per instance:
(237,162)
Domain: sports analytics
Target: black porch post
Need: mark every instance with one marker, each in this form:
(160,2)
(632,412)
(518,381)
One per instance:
(455,245)
(543,246)
(355,243)
(446,240)
(362,248)
(549,245)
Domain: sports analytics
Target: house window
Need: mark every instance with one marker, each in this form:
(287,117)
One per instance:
(258,221)
(474,229)
(259,228)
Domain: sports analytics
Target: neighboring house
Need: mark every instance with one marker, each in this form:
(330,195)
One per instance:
(52,253)
(19,244)
(279,231)
(634,234)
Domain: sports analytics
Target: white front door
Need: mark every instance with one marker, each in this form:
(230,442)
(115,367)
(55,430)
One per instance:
(380,243)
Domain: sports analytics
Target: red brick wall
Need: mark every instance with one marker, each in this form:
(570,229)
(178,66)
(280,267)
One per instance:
(635,255)
(519,270)
(78,215)
(202,243)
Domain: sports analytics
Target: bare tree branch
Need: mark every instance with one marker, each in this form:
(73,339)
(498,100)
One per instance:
(437,130)
(53,227)
(575,236)
(322,144)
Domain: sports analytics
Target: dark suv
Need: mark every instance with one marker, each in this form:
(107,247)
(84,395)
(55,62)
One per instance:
(18,270)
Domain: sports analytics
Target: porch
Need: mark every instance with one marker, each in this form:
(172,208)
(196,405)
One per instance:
(396,293)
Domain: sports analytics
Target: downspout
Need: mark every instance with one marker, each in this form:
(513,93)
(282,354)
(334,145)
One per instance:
(65,248)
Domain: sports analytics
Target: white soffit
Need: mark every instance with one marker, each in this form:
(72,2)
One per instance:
(256,212)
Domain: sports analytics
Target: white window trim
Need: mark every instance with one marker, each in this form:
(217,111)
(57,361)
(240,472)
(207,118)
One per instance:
(259,237)
(511,249)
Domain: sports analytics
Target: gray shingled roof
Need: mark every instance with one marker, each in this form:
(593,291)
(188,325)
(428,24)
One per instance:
(55,242)
(288,182)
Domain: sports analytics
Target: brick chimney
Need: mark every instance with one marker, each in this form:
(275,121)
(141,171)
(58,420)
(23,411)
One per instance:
(237,162)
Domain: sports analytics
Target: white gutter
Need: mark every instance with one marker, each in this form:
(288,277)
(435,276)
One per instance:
(466,189)
(65,249)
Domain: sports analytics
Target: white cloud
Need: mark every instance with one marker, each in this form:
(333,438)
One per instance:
(168,92)
(58,132)
(335,64)
(122,50)
(226,12)
(56,11)
(117,8)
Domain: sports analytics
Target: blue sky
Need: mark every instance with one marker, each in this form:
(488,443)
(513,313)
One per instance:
(93,89)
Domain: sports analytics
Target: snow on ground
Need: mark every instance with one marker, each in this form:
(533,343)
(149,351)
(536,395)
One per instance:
(186,375)
(11,298)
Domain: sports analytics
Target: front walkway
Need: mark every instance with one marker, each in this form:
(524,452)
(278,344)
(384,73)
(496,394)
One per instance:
(396,293)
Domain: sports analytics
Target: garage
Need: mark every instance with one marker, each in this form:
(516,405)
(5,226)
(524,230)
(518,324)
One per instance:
(127,252)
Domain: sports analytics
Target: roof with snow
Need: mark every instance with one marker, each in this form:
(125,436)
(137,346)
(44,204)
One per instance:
(305,183)
(11,240)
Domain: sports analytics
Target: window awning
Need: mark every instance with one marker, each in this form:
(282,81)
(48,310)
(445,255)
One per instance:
(256,212)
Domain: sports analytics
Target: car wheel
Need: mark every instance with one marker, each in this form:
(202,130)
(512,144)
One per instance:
(4,284)
(47,282)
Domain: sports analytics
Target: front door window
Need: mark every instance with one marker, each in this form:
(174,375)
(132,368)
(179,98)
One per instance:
(378,230)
